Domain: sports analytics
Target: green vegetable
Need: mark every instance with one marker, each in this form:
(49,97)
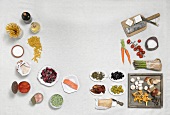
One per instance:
(98,75)
(117,89)
(56,100)
(140,64)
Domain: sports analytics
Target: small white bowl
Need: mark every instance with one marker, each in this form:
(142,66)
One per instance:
(95,80)
(119,93)
(55,106)
(42,81)
(119,80)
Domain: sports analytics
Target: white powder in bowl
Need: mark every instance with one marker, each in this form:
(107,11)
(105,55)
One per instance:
(17,51)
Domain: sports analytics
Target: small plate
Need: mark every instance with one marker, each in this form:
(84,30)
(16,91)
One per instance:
(103,108)
(101,92)
(119,80)
(44,83)
(95,80)
(119,93)
(68,89)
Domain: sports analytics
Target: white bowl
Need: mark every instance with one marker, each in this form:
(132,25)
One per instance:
(119,93)
(68,89)
(55,106)
(101,92)
(44,83)
(95,80)
(119,80)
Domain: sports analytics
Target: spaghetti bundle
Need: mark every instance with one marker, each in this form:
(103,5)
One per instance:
(13,30)
(35,43)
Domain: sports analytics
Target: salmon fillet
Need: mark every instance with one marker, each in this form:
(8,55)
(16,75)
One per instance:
(70,84)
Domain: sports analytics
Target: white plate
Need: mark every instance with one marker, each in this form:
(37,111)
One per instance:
(68,89)
(119,93)
(44,83)
(100,93)
(103,108)
(119,80)
(98,80)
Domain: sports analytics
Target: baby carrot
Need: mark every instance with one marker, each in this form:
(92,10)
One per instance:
(128,55)
(122,52)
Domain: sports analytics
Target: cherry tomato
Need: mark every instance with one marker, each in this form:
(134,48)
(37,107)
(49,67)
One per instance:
(132,46)
(138,53)
(138,47)
(143,52)
(139,40)
(128,41)
(140,56)
(24,87)
(135,49)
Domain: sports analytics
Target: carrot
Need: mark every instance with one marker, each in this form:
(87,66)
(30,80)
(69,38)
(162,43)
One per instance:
(122,52)
(128,55)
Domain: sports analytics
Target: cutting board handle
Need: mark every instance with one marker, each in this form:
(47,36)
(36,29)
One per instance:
(153,16)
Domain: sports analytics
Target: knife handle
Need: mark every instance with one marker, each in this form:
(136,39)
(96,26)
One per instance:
(153,16)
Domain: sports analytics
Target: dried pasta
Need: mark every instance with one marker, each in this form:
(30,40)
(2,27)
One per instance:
(13,30)
(35,43)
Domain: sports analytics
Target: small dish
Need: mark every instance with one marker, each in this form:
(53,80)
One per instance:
(119,80)
(17,51)
(57,98)
(101,92)
(68,89)
(42,81)
(101,107)
(123,87)
(95,80)
(23,68)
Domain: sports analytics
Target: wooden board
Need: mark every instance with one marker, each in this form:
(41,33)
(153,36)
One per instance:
(131,103)
(124,25)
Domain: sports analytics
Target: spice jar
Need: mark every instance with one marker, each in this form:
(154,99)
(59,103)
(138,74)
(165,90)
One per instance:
(26,17)
(35,27)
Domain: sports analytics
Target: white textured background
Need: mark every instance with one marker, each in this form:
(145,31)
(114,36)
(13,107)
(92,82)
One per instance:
(77,37)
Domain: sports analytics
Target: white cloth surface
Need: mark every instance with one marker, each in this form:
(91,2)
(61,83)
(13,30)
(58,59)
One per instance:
(78,36)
